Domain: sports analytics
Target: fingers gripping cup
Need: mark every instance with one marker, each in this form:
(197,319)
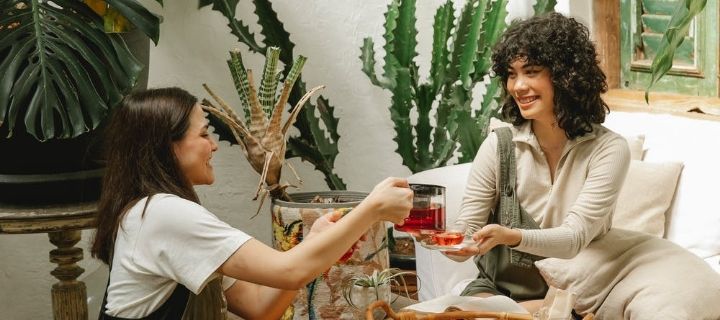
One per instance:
(428,212)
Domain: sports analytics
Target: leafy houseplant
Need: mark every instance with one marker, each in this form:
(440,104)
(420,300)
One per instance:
(673,37)
(60,75)
(317,137)
(460,61)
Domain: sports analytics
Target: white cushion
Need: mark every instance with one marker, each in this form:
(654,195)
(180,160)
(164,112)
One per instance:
(640,209)
(694,217)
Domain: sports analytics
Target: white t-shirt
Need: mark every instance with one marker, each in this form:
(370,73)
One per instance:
(177,241)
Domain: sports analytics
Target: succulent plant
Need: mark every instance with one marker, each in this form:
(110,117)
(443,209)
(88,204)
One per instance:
(261,135)
(316,141)
(461,52)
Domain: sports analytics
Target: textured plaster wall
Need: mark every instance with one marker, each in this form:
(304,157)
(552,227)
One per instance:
(192,50)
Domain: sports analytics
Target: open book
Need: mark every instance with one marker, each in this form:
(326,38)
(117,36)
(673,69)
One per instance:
(455,303)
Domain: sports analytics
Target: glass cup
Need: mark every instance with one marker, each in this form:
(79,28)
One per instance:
(453,234)
(427,215)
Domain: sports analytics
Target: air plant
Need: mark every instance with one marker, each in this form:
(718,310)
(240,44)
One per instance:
(387,277)
(261,135)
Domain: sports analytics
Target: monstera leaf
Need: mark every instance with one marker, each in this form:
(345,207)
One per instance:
(60,72)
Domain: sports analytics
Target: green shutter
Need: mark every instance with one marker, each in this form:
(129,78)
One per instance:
(695,66)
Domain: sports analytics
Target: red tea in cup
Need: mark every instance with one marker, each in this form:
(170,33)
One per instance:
(447,238)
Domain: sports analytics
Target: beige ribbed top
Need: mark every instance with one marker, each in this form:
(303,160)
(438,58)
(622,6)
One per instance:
(571,212)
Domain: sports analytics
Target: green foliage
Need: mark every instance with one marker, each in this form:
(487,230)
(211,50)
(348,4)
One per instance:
(60,73)
(673,37)
(461,59)
(313,143)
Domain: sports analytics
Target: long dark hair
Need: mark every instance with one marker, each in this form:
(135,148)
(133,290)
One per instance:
(140,158)
(562,45)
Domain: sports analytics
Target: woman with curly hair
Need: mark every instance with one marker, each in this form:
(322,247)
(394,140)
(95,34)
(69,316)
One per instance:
(547,185)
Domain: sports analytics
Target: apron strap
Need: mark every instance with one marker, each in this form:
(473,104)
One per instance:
(173,308)
(509,212)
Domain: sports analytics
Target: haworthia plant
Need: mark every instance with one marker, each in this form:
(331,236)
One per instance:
(461,52)
(313,143)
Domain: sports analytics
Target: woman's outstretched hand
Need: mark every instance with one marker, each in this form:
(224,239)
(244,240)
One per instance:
(328,221)
(391,200)
(487,238)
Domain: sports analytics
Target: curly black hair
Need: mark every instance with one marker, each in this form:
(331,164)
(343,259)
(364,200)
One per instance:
(562,45)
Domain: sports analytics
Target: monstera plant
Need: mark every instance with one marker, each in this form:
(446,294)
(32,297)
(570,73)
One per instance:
(60,75)
(61,72)
(461,52)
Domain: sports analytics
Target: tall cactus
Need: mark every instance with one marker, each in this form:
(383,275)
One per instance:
(312,144)
(461,52)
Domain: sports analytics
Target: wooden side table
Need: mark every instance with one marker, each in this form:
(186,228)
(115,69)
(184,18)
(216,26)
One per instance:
(63,224)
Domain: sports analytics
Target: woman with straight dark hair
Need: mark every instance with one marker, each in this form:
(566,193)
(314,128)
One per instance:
(169,257)
(547,185)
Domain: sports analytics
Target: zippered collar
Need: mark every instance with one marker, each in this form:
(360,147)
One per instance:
(524,134)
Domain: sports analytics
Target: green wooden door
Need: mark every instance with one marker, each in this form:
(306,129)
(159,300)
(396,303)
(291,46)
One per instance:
(695,67)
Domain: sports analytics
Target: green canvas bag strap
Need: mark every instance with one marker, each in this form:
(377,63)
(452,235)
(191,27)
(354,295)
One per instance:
(509,212)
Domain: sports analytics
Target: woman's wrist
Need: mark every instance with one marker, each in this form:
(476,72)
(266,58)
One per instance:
(514,237)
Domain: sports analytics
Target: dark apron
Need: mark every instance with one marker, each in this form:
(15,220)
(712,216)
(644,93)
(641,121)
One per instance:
(208,305)
(504,271)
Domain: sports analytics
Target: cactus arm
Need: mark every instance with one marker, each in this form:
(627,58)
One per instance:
(401,103)
(469,33)
(274,31)
(442,31)
(367,56)
(240,79)
(544,6)
(268,84)
(424,99)
(493,27)
(405,32)
(391,61)
(468,134)
(237,27)
(490,105)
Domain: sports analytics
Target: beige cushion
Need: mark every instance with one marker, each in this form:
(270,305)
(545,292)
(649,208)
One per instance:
(646,195)
(660,280)
(635,143)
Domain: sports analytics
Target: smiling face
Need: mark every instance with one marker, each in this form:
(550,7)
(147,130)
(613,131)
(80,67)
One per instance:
(195,149)
(532,89)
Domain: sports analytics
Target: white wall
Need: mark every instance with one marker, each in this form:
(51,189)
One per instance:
(192,50)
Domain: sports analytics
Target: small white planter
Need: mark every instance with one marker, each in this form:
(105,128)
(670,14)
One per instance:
(361,297)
